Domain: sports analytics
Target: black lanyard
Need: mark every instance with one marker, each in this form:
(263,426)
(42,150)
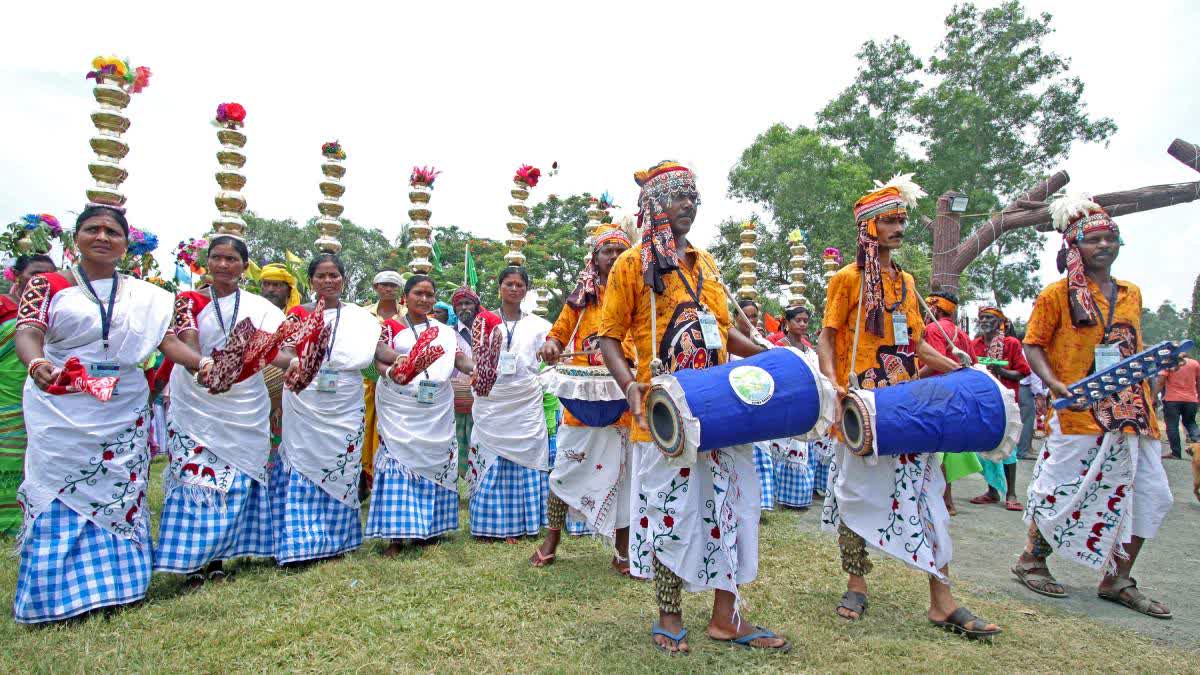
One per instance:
(417,336)
(1112,306)
(106,314)
(333,336)
(699,286)
(903,292)
(508,345)
(237,303)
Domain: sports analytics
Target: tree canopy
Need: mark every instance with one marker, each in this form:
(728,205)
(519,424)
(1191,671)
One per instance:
(989,112)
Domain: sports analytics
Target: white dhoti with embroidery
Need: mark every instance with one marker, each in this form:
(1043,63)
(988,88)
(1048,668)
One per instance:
(591,474)
(699,520)
(1090,495)
(894,503)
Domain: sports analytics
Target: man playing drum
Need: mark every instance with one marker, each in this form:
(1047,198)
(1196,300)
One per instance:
(697,523)
(591,468)
(1098,490)
(872,338)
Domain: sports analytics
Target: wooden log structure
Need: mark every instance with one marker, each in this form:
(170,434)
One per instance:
(952,254)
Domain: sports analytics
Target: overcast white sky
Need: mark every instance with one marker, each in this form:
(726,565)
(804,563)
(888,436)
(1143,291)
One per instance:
(479,88)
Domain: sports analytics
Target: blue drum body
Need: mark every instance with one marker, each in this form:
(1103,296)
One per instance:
(774,394)
(962,411)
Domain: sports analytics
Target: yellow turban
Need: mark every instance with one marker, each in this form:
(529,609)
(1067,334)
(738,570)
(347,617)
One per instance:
(277,272)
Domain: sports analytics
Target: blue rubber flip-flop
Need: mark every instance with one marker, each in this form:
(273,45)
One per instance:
(759,632)
(676,637)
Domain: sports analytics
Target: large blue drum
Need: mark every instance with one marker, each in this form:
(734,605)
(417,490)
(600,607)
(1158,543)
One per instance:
(775,394)
(967,410)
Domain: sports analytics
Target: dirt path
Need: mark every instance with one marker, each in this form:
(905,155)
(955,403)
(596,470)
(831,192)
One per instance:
(988,538)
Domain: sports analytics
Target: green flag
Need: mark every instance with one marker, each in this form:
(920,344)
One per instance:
(470,276)
(437,250)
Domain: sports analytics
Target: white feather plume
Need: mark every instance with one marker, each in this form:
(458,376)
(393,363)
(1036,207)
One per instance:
(910,192)
(1069,208)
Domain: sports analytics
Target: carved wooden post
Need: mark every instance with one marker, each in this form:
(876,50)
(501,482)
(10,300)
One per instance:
(947,234)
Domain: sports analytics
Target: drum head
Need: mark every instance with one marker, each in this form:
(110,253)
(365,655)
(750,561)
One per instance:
(662,415)
(856,425)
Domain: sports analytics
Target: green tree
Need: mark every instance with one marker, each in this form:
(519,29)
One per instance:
(1194,315)
(999,111)
(365,251)
(805,182)
(1165,323)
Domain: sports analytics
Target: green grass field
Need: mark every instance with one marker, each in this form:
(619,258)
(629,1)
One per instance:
(467,606)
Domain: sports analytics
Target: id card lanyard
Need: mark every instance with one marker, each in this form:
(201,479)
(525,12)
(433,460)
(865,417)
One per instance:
(106,313)
(508,360)
(426,388)
(709,331)
(237,303)
(327,377)
(1108,355)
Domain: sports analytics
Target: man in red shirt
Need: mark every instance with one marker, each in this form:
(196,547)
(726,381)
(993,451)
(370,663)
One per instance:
(1180,389)
(944,335)
(1005,360)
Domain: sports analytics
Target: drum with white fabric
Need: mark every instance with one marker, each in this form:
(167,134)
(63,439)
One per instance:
(967,410)
(589,392)
(774,394)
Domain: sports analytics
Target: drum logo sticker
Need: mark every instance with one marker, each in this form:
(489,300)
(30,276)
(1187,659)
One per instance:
(752,384)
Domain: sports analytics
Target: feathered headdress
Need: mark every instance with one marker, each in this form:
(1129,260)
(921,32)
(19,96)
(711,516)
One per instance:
(895,196)
(1075,215)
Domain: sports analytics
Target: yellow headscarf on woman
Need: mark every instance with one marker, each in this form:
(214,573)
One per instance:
(277,272)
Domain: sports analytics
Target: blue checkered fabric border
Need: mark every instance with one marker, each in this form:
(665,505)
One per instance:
(509,501)
(193,533)
(764,467)
(820,472)
(407,506)
(277,481)
(576,526)
(70,566)
(793,485)
(314,525)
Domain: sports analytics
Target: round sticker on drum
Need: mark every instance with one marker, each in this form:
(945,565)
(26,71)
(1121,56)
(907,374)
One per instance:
(752,384)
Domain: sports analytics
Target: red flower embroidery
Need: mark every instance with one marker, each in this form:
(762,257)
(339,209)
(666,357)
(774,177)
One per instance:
(1100,475)
(668,521)
(685,472)
(644,522)
(1050,499)
(895,505)
(140,421)
(108,455)
(1075,515)
(1046,455)
(716,533)
(132,475)
(350,448)
(599,466)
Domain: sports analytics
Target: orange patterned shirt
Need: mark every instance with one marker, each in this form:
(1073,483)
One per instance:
(880,361)
(626,312)
(1071,353)
(585,339)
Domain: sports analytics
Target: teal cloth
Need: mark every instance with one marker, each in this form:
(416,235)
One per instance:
(993,472)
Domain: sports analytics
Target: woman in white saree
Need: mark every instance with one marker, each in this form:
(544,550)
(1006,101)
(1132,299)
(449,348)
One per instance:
(323,425)
(415,493)
(216,505)
(510,450)
(85,543)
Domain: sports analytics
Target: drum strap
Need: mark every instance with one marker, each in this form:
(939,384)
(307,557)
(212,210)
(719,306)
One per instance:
(570,346)
(852,379)
(754,335)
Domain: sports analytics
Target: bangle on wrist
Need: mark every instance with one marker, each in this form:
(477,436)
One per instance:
(631,383)
(38,363)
